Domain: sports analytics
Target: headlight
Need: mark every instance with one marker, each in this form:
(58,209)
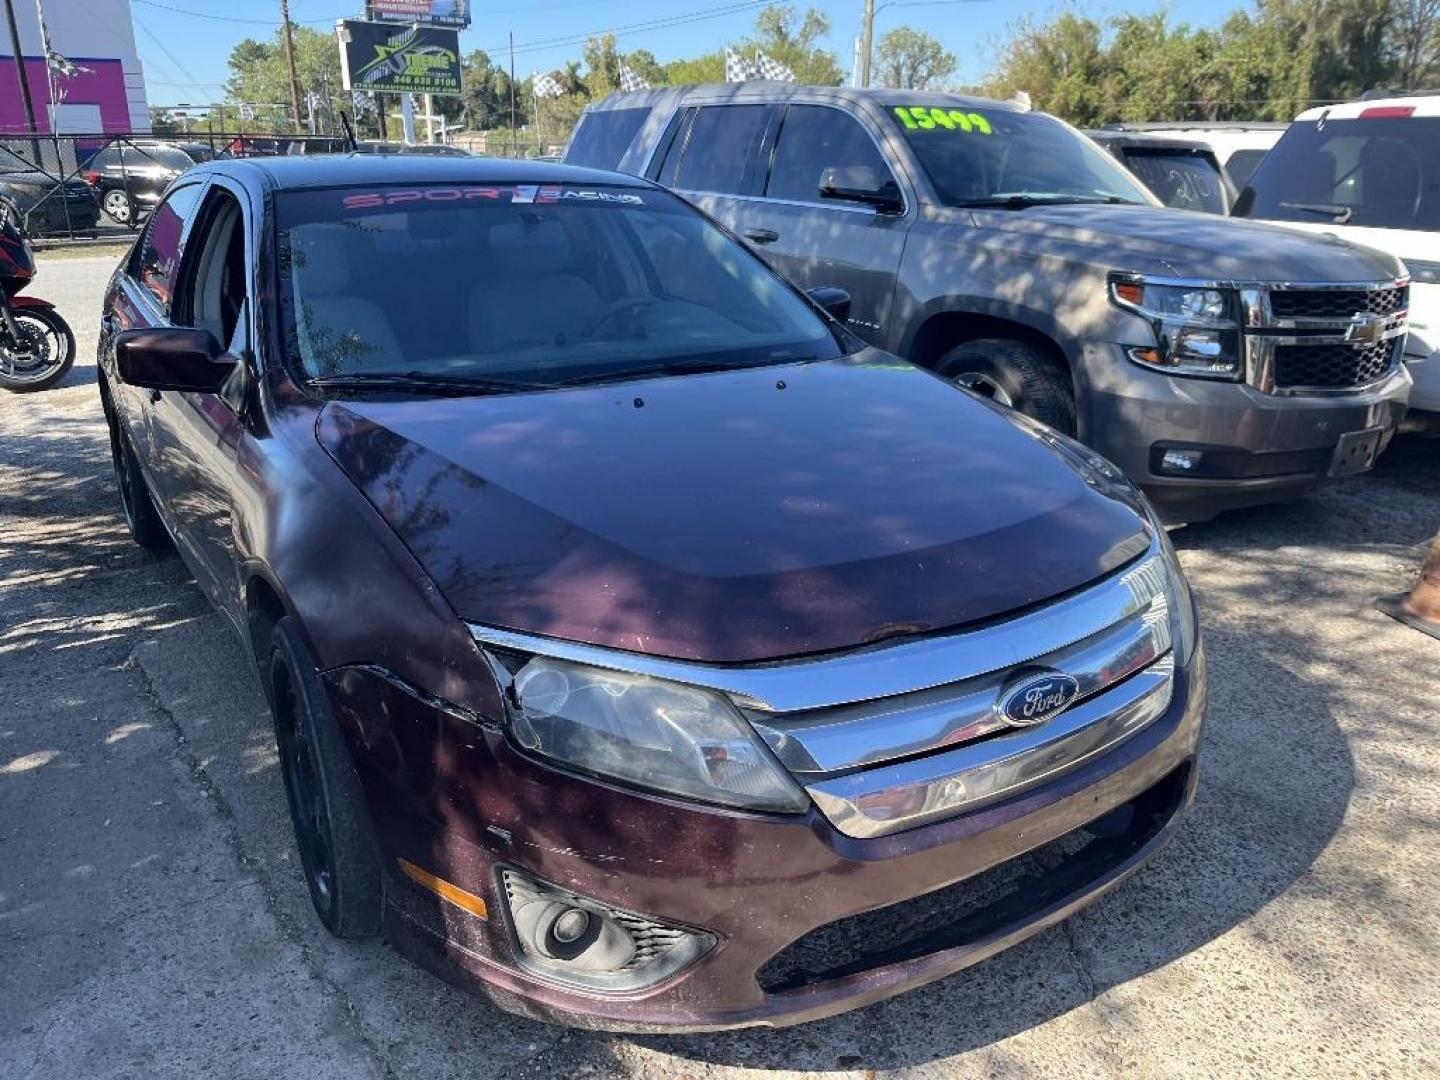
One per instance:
(1197,328)
(648,732)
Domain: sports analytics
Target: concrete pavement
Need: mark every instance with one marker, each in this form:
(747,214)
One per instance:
(153,922)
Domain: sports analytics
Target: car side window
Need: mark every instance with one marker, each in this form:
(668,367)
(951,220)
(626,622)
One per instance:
(158,258)
(604,136)
(213,287)
(722,142)
(814,138)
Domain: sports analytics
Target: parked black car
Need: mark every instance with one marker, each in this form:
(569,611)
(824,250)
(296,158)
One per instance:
(44,204)
(1182,173)
(128,178)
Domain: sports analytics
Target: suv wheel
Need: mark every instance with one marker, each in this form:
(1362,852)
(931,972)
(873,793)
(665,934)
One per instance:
(1014,374)
(118,205)
(338,850)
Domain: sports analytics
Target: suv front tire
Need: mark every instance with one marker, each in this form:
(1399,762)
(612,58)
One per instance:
(1015,374)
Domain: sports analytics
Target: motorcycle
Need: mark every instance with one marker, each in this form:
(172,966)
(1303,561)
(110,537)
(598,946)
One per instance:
(37,348)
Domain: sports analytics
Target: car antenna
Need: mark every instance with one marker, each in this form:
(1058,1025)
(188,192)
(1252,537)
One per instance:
(351,146)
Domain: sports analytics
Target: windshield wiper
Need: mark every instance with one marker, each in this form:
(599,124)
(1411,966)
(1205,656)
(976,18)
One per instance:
(1020,200)
(425,382)
(1341,214)
(697,365)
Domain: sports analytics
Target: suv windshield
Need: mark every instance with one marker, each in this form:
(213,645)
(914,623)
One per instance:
(521,284)
(995,157)
(1381,172)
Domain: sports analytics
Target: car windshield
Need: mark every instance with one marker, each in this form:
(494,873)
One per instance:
(1381,172)
(526,285)
(1182,179)
(996,157)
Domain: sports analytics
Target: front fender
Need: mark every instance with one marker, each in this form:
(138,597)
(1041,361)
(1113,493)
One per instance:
(31,302)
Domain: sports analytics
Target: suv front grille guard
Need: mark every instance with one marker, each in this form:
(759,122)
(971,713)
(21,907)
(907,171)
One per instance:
(1318,339)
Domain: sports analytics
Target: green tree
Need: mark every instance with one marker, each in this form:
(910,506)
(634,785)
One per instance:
(793,39)
(912,60)
(258,73)
(1063,66)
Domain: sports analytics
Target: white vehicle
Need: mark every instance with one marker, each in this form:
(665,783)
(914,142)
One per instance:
(1238,146)
(1369,172)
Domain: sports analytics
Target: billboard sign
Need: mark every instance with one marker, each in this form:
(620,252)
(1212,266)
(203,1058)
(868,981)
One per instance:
(399,59)
(452,13)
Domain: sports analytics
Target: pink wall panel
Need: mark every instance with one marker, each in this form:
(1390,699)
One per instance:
(103,85)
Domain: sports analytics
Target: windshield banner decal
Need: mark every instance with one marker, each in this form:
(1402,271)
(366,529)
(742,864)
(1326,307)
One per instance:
(930,118)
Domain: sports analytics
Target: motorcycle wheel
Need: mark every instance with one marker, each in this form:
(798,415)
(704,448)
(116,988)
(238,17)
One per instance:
(45,354)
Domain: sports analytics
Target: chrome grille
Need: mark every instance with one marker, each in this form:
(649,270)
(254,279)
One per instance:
(1332,367)
(881,766)
(1337,303)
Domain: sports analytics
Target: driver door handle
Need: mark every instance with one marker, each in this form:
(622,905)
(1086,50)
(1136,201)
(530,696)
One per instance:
(762,236)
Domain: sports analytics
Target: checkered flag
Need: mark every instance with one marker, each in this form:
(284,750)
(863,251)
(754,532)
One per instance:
(547,86)
(629,80)
(737,68)
(772,69)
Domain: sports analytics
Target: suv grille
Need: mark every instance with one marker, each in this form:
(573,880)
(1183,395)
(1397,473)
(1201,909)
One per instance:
(1337,303)
(1331,367)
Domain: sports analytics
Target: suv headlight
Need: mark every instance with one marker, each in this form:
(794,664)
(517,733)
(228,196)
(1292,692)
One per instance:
(1197,328)
(647,732)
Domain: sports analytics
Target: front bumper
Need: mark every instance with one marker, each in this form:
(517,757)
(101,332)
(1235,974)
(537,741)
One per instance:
(775,891)
(1258,447)
(1424,414)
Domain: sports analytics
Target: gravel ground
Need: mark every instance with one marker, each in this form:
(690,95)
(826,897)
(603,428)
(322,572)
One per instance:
(153,922)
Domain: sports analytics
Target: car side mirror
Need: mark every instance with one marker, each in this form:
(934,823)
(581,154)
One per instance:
(862,183)
(836,302)
(172,358)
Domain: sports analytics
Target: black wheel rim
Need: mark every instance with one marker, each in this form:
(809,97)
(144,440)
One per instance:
(300,761)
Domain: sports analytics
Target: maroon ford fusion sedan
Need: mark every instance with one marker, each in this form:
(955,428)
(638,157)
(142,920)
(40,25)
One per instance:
(640,644)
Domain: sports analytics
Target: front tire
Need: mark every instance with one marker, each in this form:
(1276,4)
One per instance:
(141,517)
(43,356)
(338,851)
(1015,374)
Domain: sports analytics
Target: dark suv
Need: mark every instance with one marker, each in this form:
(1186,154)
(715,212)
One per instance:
(640,642)
(1219,363)
(129,178)
(1184,174)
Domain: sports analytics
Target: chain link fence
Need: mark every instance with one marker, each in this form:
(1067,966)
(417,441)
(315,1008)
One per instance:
(79,189)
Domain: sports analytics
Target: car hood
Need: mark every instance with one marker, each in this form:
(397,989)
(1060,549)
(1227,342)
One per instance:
(730,517)
(1190,244)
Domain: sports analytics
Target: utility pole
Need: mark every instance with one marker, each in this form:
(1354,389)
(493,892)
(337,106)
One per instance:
(867,37)
(20,75)
(290,63)
(512,91)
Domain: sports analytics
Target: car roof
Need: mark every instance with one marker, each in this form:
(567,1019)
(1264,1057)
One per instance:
(1419,104)
(332,170)
(1110,136)
(761,90)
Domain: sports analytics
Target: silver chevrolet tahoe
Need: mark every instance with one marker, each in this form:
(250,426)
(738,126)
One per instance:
(1220,363)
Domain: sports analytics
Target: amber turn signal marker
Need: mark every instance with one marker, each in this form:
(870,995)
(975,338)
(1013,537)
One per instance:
(1132,292)
(443,889)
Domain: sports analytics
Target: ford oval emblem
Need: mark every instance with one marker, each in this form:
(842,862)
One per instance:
(1037,698)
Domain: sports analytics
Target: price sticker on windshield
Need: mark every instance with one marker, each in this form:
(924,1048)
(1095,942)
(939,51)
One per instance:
(931,117)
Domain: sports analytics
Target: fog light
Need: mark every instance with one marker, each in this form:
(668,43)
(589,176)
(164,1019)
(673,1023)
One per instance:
(579,940)
(1180,461)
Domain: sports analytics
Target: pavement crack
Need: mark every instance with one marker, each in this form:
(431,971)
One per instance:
(270,896)
(1077,960)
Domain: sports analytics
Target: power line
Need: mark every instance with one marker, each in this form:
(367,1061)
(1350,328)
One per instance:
(226,18)
(635,28)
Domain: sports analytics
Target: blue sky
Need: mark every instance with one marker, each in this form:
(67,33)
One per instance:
(184,54)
